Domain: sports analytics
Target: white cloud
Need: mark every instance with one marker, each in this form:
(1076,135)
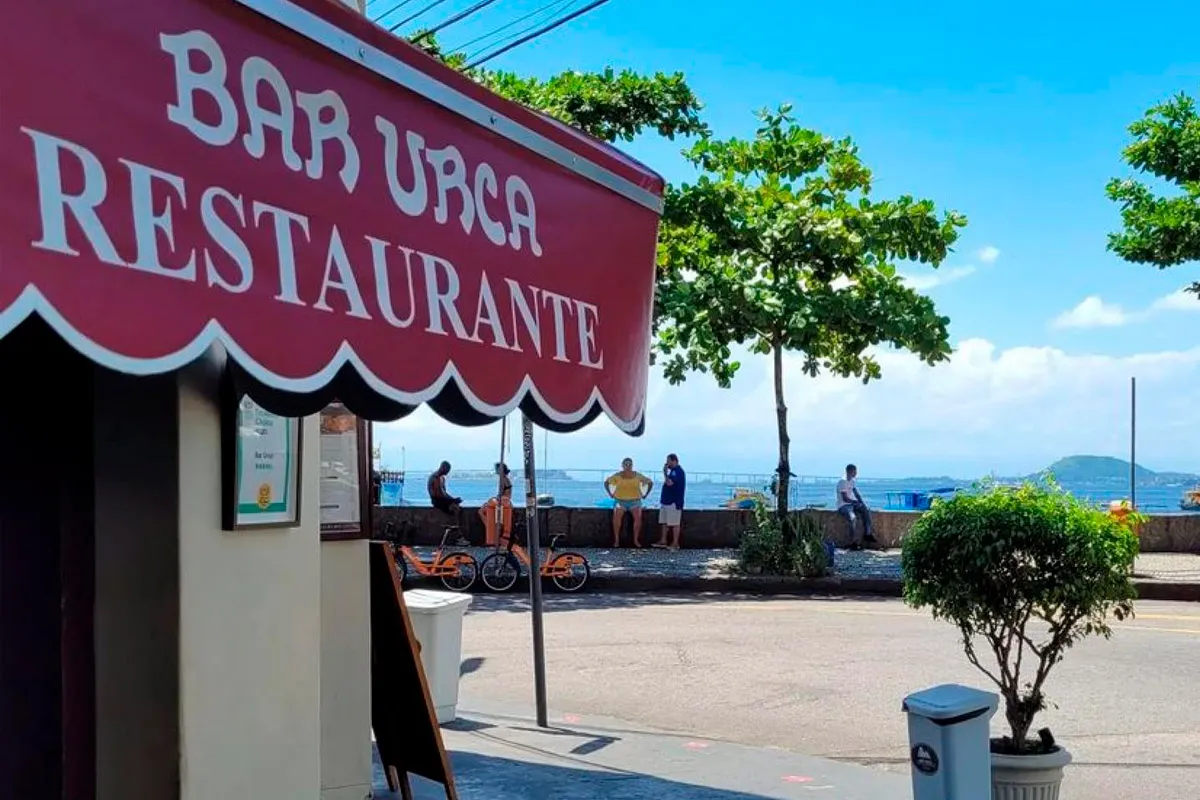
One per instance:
(924,281)
(988,255)
(934,278)
(1094,312)
(1013,411)
(1181,300)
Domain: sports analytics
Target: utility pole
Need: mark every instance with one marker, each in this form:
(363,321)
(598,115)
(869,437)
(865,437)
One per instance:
(1133,443)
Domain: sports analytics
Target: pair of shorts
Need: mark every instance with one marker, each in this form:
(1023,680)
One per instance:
(670,515)
(629,505)
(444,504)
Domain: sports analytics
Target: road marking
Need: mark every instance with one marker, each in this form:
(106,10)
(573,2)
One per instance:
(864,612)
(1177,617)
(1131,625)
(1151,628)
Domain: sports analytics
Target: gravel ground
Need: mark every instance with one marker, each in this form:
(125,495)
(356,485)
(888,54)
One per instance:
(1178,567)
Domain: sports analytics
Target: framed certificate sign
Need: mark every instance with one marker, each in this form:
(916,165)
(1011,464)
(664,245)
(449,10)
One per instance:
(345,475)
(262,468)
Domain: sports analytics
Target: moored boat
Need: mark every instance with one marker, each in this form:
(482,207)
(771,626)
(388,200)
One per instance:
(745,498)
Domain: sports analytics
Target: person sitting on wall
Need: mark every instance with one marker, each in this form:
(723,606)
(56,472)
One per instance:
(629,489)
(441,499)
(488,513)
(850,505)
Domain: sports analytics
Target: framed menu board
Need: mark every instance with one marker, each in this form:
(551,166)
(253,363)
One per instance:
(345,475)
(261,467)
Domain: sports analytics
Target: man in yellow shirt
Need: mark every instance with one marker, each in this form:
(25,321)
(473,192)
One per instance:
(628,488)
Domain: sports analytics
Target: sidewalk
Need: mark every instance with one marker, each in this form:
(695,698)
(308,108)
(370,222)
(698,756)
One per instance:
(502,755)
(1159,576)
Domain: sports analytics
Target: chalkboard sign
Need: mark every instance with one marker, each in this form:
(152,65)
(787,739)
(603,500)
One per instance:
(402,714)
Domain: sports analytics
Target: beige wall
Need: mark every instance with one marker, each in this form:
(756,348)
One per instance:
(345,671)
(227,664)
(250,628)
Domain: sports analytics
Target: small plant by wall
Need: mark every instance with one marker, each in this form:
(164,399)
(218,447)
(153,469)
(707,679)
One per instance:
(791,545)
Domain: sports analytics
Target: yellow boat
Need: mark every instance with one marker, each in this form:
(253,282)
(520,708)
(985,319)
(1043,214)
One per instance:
(745,499)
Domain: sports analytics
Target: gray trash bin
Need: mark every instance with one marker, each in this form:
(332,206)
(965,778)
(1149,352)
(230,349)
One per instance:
(948,737)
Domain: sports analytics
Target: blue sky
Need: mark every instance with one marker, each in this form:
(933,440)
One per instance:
(1015,117)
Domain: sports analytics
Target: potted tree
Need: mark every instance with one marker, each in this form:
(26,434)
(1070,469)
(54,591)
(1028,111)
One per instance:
(1025,573)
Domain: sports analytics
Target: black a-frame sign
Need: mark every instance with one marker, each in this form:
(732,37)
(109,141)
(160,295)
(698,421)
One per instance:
(402,714)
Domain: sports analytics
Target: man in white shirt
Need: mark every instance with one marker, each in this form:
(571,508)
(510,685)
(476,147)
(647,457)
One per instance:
(850,505)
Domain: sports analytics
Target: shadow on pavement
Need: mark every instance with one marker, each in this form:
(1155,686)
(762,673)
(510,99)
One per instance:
(470,665)
(517,601)
(480,777)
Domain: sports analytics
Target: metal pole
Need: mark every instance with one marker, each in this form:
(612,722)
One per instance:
(535,569)
(499,515)
(1133,443)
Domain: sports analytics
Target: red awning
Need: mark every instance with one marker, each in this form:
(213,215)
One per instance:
(340,212)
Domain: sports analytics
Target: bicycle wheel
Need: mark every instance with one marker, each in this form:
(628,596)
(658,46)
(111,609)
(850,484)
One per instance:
(500,571)
(571,572)
(467,570)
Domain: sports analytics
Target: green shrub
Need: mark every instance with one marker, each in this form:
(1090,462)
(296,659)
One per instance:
(1027,571)
(767,549)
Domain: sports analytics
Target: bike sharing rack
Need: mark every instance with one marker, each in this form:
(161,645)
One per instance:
(949,749)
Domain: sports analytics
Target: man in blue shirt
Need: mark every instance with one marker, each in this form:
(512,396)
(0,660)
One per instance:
(670,513)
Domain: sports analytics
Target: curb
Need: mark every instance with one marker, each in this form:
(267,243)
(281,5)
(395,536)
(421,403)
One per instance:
(1176,591)
(760,585)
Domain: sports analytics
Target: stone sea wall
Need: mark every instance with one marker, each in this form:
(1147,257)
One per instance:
(704,529)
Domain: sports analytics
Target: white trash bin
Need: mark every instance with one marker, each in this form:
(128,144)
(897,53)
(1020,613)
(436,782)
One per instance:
(950,752)
(437,622)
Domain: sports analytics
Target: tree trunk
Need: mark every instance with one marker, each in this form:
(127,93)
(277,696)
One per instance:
(1019,724)
(785,472)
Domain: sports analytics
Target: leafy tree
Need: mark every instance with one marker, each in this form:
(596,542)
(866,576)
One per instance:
(780,245)
(1162,230)
(609,105)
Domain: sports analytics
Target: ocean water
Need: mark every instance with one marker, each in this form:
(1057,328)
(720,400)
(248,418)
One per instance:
(582,489)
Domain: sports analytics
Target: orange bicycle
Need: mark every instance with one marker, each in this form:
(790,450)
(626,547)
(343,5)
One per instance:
(457,570)
(568,571)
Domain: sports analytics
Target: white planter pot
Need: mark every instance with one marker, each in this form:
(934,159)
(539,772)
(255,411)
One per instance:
(1028,777)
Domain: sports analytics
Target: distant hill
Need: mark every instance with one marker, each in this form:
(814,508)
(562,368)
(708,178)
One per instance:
(1105,469)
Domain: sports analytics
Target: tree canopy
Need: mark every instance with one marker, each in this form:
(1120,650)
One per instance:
(1158,228)
(610,105)
(779,246)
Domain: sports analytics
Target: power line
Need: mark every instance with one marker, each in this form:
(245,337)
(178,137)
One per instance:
(539,32)
(461,47)
(404,22)
(482,4)
(542,20)
(396,7)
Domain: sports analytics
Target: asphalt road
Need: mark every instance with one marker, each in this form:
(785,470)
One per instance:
(826,677)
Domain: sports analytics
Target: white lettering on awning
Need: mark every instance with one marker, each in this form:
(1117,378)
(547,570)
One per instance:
(460,190)
(504,314)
